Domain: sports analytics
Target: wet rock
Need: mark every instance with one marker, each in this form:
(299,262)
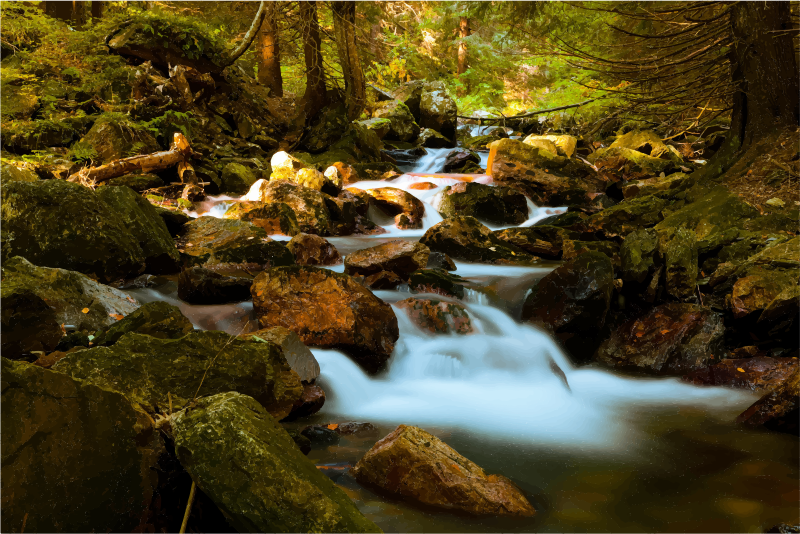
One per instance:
(440,260)
(76,299)
(251,468)
(398,202)
(569,220)
(321,435)
(544,241)
(398,256)
(760,373)
(102,455)
(173,219)
(329,310)
(309,403)
(430,138)
(210,241)
(673,183)
(494,205)
(289,168)
(679,251)
(416,465)
(631,161)
(436,281)
(647,142)
(778,410)
(137,182)
(308,204)
(236,179)
(380,126)
(155,319)
(298,356)
(460,158)
(625,217)
(438,111)
(781,314)
(638,255)
(354,428)
(15,173)
(113,139)
(547,179)
(147,227)
(573,300)
(572,248)
(347,174)
(402,125)
(54,223)
(309,249)
(302,442)
(564,145)
(754,293)
(273,217)
(151,371)
(436,316)
(28,323)
(383,280)
(672,338)
(198,285)
(466,239)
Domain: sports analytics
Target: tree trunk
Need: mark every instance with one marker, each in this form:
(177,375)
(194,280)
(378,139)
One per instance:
(374,44)
(344,20)
(97,9)
(250,36)
(462,46)
(59,10)
(269,64)
(315,97)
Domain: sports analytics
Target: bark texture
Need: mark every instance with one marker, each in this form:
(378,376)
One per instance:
(463,28)
(354,82)
(315,97)
(269,66)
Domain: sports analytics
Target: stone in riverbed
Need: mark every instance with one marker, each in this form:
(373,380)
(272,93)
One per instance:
(672,339)
(211,241)
(76,458)
(466,239)
(28,323)
(754,293)
(236,179)
(310,402)
(573,301)
(197,285)
(436,281)
(572,248)
(251,468)
(68,293)
(328,310)
(459,158)
(298,356)
(309,249)
(273,217)
(494,205)
(308,204)
(430,138)
(759,373)
(544,241)
(150,371)
(174,219)
(398,202)
(436,316)
(398,256)
(416,465)
(383,280)
(157,319)
(438,111)
(402,126)
(778,410)
(440,260)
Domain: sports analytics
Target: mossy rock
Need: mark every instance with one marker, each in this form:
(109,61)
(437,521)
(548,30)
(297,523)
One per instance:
(273,217)
(54,223)
(24,137)
(637,161)
(436,281)
(236,179)
(309,205)
(137,182)
(466,239)
(622,219)
(647,142)
(251,468)
(157,319)
(27,323)
(329,126)
(14,173)
(17,104)
(679,249)
(493,205)
(479,142)
(638,255)
(112,138)
(151,371)
(403,126)
(380,126)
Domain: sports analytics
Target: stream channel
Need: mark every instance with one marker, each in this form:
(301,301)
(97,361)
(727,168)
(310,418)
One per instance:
(601,453)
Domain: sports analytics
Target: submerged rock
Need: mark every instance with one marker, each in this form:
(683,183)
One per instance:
(251,468)
(760,373)
(156,319)
(76,457)
(778,410)
(672,338)
(198,285)
(309,205)
(329,310)
(436,281)
(151,371)
(416,465)
(398,256)
(437,316)
(466,239)
(399,203)
(494,205)
(273,217)
(298,356)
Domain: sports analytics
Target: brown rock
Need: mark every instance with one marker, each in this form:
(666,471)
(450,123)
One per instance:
(670,339)
(348,174)
(298,356)
(198,285)
(309,403)
(777,410)
(759,373)
(414,464)
(396,201)
(329,310)
(423,186)
(398,256)
(309,249)
(754,293)
(436,316)
(274,217)
(383,280)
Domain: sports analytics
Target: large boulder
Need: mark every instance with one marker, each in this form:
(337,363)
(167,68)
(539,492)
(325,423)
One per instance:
(778,410)
(309,249)
(402,125)
(236,179)
(564,145)
(156,373)
(298,356)
(672,338)
(647,142)
(493,205)
(545,241)
(548,179)
(274,217)
(54,223)
(75,457)
(308,204)
(461,160)
(76,299)
(634,164)
(573,300)
(410,94)
(760,374)
(113,139)
(407,209)
(147,227)
(466,239)
(289,168)
(398,256)
(156,319)
(329,310)
(438,111)
(437,316)
(251,468)
(430,138)
(198,285)
(416,465)
(211,241)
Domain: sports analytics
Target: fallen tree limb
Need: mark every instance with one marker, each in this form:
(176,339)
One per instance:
(179,153)
(524,115)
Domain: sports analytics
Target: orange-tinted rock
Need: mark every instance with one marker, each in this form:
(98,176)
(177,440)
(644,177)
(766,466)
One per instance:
(423,186)
(759,373)
(348,174)
(754,293)
(274,217)
(777,410)
(437,316)
(416,465)
(398,256)
(383,280)
(329,310)
(309,403)
(396,201)
(670,339)
(309,249)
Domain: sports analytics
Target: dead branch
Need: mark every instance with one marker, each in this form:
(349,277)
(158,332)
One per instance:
(529,114)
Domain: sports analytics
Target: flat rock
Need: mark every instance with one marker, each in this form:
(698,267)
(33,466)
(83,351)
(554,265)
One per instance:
(466,239)
(398,256)
(157,319)
(198,285)
(759,373)
(493,205)
(309,249)
(298,356)
(437,316)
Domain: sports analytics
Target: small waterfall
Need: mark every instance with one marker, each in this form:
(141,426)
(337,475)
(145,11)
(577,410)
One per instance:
(432,162)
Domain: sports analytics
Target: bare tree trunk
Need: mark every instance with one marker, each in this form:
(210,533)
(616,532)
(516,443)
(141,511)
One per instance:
(269,65)
(315,97)
(463,27)
(59,10)
(374,45)
(97,9)
(344,20)
(250,36)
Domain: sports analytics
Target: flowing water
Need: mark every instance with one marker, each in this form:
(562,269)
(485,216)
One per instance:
(594,451)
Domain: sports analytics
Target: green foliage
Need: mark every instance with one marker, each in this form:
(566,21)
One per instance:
(164,126)
(83,152)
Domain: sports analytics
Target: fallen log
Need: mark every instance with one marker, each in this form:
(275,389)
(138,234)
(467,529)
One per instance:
(178,154)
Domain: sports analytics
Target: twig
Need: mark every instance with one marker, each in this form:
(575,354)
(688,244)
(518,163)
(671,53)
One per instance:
(530,114)
(188,508)
(215,359)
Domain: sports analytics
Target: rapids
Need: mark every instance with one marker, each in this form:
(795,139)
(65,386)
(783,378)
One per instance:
(594,450)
